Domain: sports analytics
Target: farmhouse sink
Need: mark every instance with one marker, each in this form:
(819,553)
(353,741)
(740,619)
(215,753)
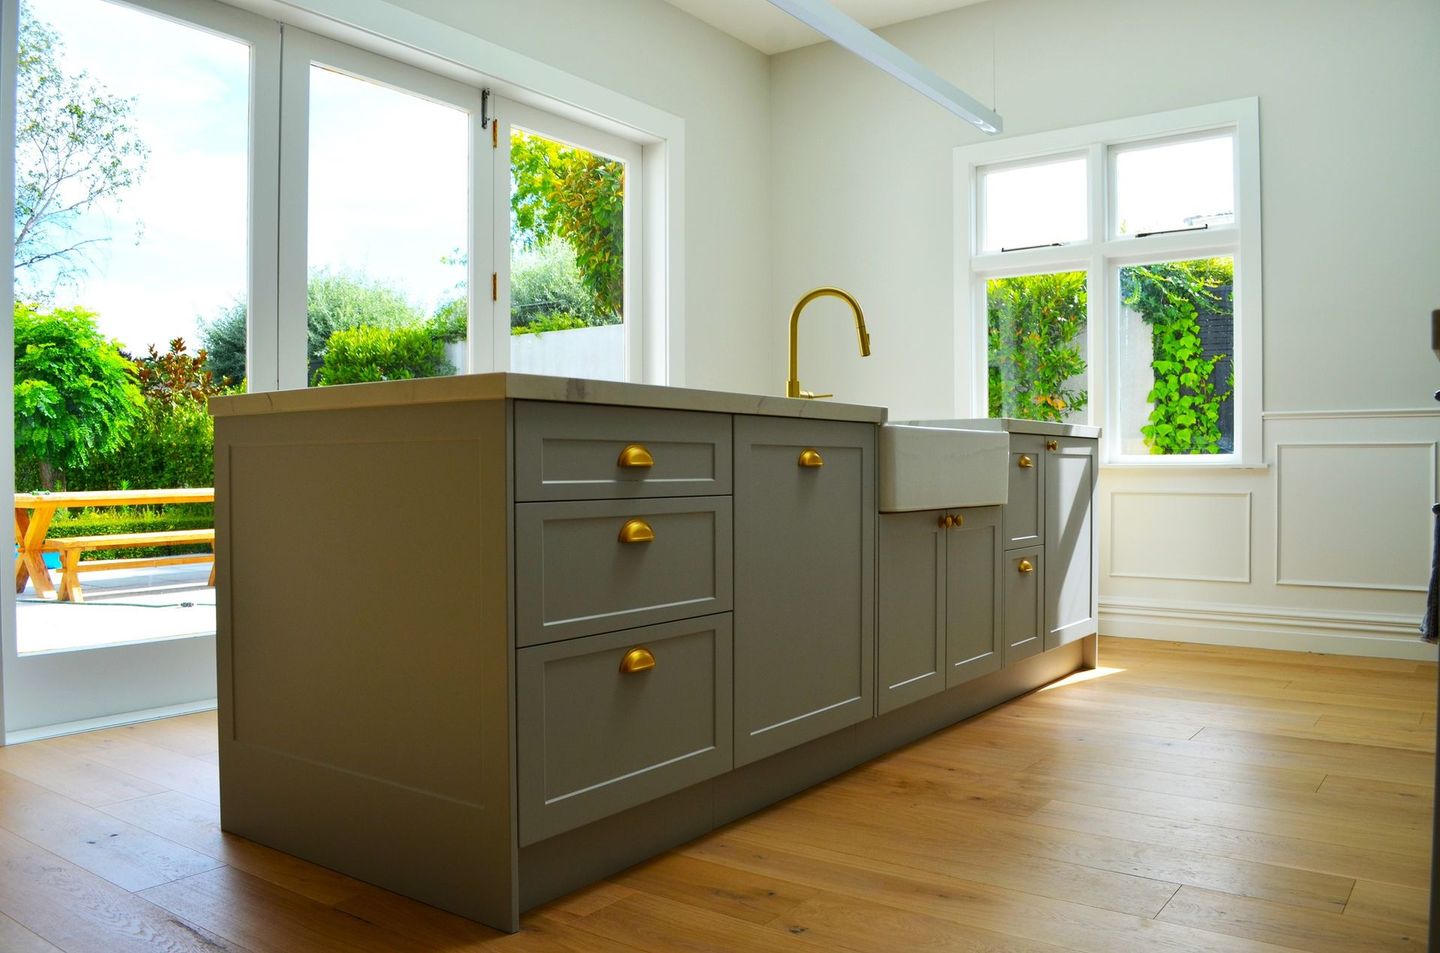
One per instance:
(939,464)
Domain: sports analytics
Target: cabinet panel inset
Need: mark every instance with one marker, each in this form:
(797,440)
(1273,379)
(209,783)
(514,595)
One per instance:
(911,592)
(972,633)
(1025,508)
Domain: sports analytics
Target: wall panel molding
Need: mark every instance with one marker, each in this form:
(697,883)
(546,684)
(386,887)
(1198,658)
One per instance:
(1381,634)
(1231,566)
(1369,414)
(1353,528)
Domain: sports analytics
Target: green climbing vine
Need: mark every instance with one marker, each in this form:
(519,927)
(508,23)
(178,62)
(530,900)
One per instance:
(1186,400)
(1033,322)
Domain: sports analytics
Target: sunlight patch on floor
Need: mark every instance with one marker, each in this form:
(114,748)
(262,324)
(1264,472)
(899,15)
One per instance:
(1085,676)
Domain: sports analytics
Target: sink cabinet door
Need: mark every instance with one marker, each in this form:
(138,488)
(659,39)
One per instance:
(1070,547)
(911,590)
(804,581)
(1025,509)
(973,642)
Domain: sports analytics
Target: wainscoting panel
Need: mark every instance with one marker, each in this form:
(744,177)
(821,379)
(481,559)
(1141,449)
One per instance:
(1163,534)
(1354,515)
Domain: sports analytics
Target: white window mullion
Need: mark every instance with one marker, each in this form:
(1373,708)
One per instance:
(293,253)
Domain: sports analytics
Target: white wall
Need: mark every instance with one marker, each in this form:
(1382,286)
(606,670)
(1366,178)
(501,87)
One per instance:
(650,51)
(1327,547)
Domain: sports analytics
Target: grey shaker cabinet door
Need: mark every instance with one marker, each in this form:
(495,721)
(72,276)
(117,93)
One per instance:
(910,595)
(1024,592)
(1025,509)
(594,740)
(573,452)
(804,582)
(973,639)
(577,575)
(1070,544)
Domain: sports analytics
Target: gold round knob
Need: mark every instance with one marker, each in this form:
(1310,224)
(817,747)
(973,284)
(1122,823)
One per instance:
(944,521)
(634,456)
(1025,462)
(959,520)
(1026,566)
(1052,445)
(638,659)
(949,521)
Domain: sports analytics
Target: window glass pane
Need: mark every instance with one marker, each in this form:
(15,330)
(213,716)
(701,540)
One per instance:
(130,228)
(1037,204)
(567,260)
(387,233)
(1174,185)
(1175,377)
(1037,345)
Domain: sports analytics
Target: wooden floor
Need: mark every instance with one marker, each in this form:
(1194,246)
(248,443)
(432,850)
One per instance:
(1180,798)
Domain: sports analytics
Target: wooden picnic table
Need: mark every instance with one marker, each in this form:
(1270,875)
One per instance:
(34,511)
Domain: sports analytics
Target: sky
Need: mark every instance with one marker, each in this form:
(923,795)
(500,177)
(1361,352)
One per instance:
(389,186)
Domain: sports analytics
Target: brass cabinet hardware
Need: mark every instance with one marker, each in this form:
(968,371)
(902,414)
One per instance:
(1025,461)
(1052,445)
(949,521)
(1026,565)
(810,457)
(635,456)
(943,521)
(636,531)
(638,659)
(959,520)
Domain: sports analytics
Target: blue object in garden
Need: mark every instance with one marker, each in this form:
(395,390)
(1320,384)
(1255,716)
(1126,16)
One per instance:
(52,560)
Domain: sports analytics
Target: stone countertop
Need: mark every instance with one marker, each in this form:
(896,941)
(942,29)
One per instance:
(1015,425)
(471,387)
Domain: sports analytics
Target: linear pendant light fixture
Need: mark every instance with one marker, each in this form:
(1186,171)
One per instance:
(866,44)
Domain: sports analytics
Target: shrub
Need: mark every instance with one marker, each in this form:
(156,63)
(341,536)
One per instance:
(135,519)
(1033,323)
(547,281)
(550,322)
(76,397)
(171,445)
(357,355)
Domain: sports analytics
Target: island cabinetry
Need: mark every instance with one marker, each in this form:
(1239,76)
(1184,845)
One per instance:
(804,581)
(1071,582)
(939,601)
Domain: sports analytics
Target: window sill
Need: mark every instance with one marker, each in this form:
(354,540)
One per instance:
(1187,466)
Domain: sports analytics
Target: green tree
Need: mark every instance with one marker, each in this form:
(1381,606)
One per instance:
(546,282)
(333,301)
(576,196)
(359,354)
(76,395)
(1033,322)
(75,146)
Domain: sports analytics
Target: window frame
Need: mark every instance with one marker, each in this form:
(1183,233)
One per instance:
(510,114)
(1102,254)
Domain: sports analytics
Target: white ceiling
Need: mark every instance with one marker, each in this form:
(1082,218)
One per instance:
(764,27)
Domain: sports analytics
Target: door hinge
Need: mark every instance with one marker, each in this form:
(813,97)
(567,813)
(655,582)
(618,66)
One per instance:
(494,286)
(484,108)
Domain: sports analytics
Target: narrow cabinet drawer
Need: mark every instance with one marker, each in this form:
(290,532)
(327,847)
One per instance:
(1025,509)
(1023,582)
(612,721)
(602,565)
(589,452)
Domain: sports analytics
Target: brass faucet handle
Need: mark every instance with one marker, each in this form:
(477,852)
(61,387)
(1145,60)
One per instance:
(811,395)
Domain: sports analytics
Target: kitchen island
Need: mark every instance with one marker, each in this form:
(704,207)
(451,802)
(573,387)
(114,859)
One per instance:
(485,639)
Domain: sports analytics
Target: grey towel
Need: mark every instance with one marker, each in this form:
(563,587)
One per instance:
(1430,626)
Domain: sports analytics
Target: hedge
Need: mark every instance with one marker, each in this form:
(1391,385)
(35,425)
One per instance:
(134,519)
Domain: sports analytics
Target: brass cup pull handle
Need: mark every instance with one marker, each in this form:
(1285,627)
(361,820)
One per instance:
(1052,445)
(1025,461)
(638,659)
(959,520)
(1026,565)
(810,457)
(636,531)
(635,456)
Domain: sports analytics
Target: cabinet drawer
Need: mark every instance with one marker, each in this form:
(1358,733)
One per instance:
(593,739)
(1024,611)
(576,574)
(574,452)
(1025,510)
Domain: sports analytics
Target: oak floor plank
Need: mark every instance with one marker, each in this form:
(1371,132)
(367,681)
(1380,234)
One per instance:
(16,939)
(1284,926)
(163,766)
(1390,903)
(196,824)
(734,892)
(197,735)
(123,854)
(1192,653)
(79,912)
(79,779)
